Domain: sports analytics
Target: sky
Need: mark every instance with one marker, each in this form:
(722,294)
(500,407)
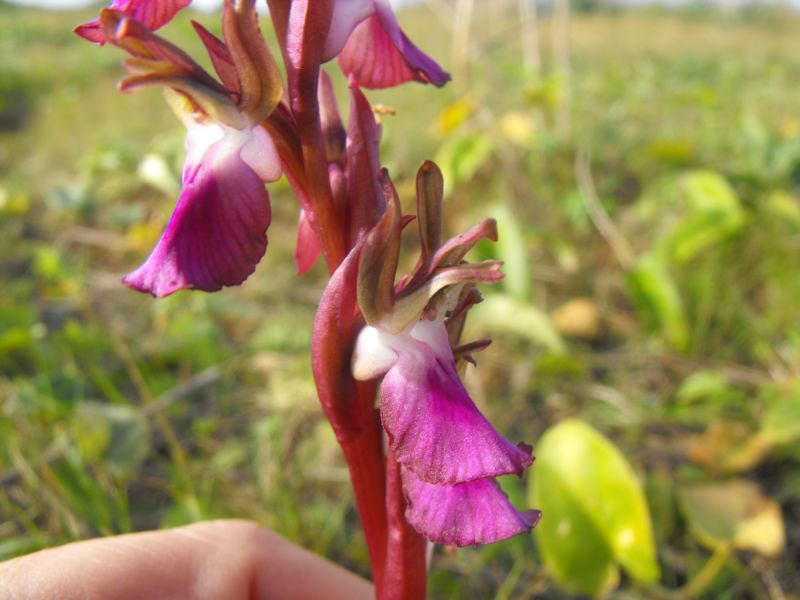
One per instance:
(203,5)
(212,5)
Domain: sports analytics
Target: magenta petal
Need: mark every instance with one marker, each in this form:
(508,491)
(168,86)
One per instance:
(347,14)
(217,233)
(434,427)
(372,59)
(477,512)
(153,14)
(379,55)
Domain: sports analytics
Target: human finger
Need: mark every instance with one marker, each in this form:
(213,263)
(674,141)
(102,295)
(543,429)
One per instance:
(225,560)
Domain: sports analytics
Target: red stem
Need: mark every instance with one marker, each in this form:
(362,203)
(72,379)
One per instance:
(397,552)
(364,455)
(406,571)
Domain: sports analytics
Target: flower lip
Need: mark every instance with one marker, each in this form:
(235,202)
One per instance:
(217,233)
(467,514)
(434,427)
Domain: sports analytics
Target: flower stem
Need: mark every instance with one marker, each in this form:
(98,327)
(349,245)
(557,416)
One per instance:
(364,455)
(406,571)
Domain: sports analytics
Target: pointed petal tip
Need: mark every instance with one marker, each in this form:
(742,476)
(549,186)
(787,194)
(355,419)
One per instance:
(150,279)
(91,32)
(532,517)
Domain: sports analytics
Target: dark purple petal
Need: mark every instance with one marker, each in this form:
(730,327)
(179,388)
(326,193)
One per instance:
(153,14)
(434,427)
(217,233)
(378,54)
(467,514)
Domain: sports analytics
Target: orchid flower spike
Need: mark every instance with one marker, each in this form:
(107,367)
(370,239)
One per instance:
(373,50)
(448,451)
(217,232)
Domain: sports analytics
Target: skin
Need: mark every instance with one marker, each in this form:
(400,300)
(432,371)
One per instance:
(225,560)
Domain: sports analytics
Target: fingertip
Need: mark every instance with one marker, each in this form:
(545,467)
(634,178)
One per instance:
(224,559)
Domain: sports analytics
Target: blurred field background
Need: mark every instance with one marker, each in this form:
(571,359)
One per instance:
(644,167)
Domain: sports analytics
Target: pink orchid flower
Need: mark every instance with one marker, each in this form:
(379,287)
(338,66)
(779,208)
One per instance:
(217,232)
(449,452)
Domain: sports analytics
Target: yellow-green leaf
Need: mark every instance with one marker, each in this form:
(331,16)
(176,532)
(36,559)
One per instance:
(595,516)
(734,513)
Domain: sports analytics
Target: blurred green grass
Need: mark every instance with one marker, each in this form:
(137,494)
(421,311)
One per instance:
(646,185)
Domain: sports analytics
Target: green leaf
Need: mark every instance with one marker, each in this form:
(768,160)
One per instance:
(701,386)
(512,250)
(781,421)
(714,215)
(734,513)
(595,515)
(655,294)
(783,206)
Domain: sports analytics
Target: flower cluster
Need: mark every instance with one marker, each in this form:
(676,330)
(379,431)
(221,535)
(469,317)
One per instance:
(217,233)
(247,127)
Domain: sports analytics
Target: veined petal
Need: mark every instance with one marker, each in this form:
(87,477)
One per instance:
(347,14)
(217,233)
(477,512)
(434,427)
(378,54)
(152,13)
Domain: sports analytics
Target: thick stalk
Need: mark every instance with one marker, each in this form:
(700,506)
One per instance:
(364,455)
(350,405)
(406,571)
